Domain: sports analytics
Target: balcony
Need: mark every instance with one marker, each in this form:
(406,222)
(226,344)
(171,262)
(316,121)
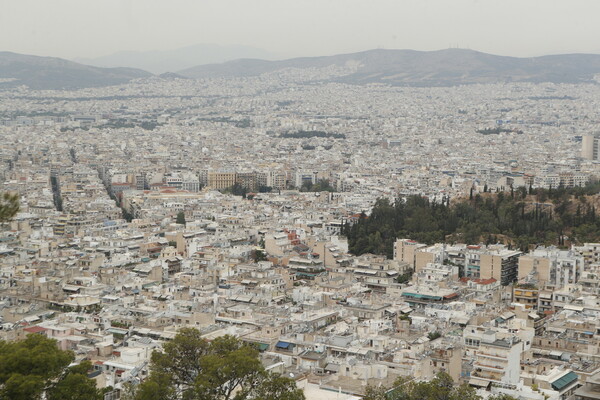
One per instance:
(487,374)
(493,368)
(492,356)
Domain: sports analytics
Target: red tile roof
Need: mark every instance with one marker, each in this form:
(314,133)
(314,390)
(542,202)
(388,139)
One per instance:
(35,329)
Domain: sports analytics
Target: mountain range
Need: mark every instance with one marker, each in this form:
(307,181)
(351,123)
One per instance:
(162,61)
(394,67)
(423,68)
(57,73)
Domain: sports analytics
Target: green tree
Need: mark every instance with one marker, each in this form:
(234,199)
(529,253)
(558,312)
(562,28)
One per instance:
(180,218)
(9,206)
(237,190)
(322,185)
(376,393)
(192,368)
(519,219)
(441,387)
(405,277)
(277,387)
(258,255)
(36,368)
(75,385)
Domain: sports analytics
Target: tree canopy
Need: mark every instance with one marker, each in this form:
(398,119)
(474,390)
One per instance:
(9,206)
(237,190)
(523,217)
(192,368)
(441,387)
(321,186)
(36,368)
(180,218)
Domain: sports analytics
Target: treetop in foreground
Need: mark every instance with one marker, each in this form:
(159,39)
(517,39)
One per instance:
(192,368)
(441,387)
(35,368)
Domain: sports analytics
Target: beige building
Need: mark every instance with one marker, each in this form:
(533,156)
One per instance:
(501,265)
(221,180)
(247,180)
(551,266)
(529,264)
(405,250)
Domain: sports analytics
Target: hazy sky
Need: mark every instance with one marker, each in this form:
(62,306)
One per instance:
(90,28)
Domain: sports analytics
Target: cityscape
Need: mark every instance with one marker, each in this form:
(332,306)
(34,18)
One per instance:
(309,228)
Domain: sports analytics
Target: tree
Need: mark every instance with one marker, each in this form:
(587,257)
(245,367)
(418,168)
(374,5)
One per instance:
(180,218)
(36,368)
(519,219)
(277,387)
(441,387)
(9,206)
(237,190)
(75,385)
(322,185)
(405,277)
(258,255)
(192,368)
(375,393)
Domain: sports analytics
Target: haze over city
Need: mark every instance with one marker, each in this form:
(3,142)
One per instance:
(75,29)
(309,200)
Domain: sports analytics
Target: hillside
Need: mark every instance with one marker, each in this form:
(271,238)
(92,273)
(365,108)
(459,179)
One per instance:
(559,217)
(56,73)
(423,68)
(162,61)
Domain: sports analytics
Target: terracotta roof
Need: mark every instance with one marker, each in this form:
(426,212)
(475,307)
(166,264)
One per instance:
(484,281)
(35,329)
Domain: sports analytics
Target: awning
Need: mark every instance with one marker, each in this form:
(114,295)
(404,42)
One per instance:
(262,346)
(564,381)
(332,367)
(573,308)
(283,345)
(460,320)
(365,271)
(507,315)
(482,383)
(117,331)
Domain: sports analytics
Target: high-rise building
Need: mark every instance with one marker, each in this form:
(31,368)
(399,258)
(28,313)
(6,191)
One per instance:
(501,264)
(590,147)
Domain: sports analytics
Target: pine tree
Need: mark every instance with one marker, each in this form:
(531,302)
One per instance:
(9,206)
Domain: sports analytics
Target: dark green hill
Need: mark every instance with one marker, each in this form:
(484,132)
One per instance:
(520,219)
